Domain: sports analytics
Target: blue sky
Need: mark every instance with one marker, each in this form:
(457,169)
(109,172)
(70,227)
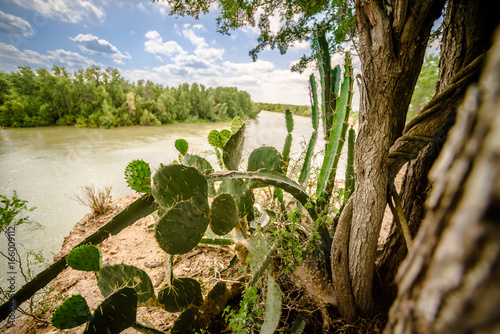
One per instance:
(139,39)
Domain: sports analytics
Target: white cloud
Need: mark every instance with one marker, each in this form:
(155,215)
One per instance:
(13,25)
(156,46)
(73,11)
(92,45)
(255,68)
(10,57)
(203,51)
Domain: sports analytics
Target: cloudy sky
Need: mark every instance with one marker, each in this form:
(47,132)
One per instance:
(143,42)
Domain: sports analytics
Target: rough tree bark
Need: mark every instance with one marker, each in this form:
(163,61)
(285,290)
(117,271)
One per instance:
(392,36)
(460,61)
(449,282)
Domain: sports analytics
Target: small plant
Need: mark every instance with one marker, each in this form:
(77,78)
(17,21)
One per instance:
(96,200)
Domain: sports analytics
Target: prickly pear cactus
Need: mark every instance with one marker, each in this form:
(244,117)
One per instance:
(264,157)
(215,139)
(188,322)
(138,176)
(182,293)
(113,277)
(225,134)
(182,146)
(233,149)
(242,195)
(197,162)
(115,314)
(72,313)
(175,183)
(236,124)
(86,257)
(224,214)
(181,228)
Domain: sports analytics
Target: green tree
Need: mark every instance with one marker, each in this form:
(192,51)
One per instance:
(426,85)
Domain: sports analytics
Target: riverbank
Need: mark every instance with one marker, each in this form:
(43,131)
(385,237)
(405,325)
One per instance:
(135,245)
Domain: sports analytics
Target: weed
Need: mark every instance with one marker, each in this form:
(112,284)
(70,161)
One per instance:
(96,199)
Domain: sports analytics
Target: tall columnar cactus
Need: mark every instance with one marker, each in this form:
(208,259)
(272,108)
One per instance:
(338,131)
(306,167)
(349,172)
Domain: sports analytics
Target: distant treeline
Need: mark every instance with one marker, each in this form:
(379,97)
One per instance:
(296,110)
(104,99)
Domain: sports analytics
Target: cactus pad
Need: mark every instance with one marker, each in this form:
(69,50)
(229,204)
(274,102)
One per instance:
(264,157)
(182,146)
(236,124)
(72,313)
(197,162)
(138,176)
(215,139)
(176,183)
(233,149)
(182,293)
(86,257)
(225,134)
(224,214)
(113,277)
(115,314)
(242,195)
(179,230)
(188,322)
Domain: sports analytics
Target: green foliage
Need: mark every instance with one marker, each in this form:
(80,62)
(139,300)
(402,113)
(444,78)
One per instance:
(85,257)
(12,211)
(138,176)
(99,98)
(425,87)
(278,107)
(182,293)
(73,312)
(114,277)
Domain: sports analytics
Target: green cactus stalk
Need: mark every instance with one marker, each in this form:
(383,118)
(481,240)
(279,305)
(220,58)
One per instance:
(338,130)
(349,172)
(306,167)
(86,258)
(73,312)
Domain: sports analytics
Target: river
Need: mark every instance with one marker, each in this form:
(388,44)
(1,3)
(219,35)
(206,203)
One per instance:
(48,166)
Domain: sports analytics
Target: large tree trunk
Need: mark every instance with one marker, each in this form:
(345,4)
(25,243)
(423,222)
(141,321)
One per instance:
(458,51)
(392,46)
(449,282)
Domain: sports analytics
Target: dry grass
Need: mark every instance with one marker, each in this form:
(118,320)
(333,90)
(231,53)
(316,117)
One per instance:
(96,199)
